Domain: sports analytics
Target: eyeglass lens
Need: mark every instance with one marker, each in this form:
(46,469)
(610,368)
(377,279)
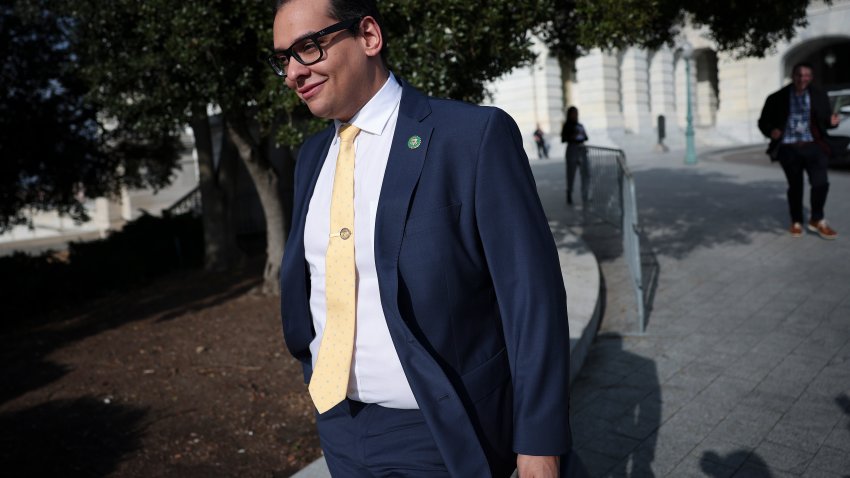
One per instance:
(305,52)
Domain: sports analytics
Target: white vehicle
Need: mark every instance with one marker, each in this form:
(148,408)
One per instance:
(840,136)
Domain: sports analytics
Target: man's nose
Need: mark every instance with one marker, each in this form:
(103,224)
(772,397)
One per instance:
(295,70)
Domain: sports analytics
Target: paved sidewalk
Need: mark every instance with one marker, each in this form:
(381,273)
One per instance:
(744,370)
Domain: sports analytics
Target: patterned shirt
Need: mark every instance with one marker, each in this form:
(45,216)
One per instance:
(798,128)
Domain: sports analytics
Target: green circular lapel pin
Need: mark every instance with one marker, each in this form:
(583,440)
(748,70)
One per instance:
(414,142)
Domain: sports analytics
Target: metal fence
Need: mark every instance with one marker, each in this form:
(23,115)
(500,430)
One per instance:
(611,198)
(190,202)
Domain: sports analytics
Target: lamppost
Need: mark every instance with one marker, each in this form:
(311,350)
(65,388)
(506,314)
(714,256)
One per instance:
(690,149)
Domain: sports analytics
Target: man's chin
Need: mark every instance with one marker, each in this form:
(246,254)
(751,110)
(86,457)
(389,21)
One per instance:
(319,112)
(316,107)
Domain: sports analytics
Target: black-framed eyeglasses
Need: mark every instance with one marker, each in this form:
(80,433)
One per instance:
(307,50)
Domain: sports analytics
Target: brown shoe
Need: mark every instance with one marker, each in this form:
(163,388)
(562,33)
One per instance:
(796,229)
(822,229)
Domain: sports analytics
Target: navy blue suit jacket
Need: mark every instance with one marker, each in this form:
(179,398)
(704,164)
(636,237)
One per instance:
(469,279)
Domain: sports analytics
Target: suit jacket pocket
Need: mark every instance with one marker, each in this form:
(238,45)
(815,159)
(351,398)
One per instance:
(488,376)
(433,219)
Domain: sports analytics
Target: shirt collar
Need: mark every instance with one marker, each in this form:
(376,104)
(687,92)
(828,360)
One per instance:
(374,115)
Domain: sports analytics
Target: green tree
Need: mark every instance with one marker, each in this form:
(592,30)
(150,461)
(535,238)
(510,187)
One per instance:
(453,48)
(748,28)
(160,64)
(55,150)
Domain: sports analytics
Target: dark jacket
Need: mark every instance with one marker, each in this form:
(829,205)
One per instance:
(774,115)
(573,133)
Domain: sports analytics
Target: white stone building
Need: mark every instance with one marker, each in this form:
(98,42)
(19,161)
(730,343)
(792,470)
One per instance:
(50,230)
(620,94)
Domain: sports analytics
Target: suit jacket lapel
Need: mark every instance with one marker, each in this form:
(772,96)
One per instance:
(318,161)
(295,243)
(407,156)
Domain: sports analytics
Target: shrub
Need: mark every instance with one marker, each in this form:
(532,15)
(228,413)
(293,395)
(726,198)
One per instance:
(143,250)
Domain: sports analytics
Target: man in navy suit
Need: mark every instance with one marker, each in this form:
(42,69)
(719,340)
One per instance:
(460,361)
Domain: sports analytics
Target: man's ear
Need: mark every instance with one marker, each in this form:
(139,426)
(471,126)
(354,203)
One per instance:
(371,37)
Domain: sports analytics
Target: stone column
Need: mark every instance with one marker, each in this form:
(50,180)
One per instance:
(126,205)
(682,93)
(706,97)
(597,95)
(107,215)
(734,114)
(532,95)
(663,90)
(634,74)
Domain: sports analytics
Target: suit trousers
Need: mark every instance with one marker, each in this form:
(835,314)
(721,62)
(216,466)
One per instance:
(808,157)
(367,440)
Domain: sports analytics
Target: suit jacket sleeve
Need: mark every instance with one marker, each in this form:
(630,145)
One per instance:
(524,266)
(772,114)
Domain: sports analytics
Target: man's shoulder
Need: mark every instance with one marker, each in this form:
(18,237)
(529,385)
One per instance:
(781,92)
(439,104)
(450,112)
(455,111)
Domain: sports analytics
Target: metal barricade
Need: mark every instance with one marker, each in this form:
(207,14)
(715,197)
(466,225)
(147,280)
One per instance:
(190,202)
(611,198)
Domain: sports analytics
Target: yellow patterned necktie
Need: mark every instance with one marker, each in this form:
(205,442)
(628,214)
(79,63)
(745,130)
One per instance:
(329,382)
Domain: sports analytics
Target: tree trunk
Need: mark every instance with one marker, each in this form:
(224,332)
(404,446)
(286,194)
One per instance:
(228,163)
(220,250)
(266,181)
(285,156)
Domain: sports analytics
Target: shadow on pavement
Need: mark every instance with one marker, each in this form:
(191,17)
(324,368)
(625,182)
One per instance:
(602,238)
(714,465)
(616,410)
(83,437)
(682,210)
(843,402)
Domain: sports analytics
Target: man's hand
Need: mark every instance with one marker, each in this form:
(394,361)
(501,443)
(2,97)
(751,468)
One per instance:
(776,134)
(834,120)
(530,466)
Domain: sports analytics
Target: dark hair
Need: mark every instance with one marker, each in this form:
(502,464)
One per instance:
(802,64)
(347,9)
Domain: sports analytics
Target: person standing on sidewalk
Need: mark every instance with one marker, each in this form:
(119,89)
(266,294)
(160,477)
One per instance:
(540,141)
(575,136)
(796,118)
(420,286)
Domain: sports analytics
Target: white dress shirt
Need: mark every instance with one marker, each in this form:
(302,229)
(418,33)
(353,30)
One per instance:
(376,374)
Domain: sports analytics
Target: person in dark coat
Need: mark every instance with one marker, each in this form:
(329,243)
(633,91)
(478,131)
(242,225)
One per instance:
(796,118)
(575,136)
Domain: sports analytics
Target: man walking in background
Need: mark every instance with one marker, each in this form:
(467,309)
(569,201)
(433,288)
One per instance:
(796,118)
(420,286)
